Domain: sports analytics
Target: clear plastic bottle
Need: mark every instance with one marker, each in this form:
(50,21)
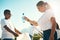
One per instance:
(23,20)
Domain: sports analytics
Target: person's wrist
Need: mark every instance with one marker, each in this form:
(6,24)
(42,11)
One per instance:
(28,20)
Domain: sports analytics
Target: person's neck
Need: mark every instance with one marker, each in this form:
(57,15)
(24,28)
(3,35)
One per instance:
(6,18)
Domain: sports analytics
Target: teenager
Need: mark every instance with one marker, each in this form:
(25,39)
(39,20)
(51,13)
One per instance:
(47,22)
(9,32)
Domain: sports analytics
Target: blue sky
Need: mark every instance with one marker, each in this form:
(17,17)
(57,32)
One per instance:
(28,7)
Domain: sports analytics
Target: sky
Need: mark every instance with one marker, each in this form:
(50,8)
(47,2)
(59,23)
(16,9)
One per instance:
(28,7)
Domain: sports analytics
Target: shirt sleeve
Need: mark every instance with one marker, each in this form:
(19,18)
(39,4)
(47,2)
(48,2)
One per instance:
(2,23)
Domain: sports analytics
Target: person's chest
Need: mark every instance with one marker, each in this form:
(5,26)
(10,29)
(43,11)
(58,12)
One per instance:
(9,24)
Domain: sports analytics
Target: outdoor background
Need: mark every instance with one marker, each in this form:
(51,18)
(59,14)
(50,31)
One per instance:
(28,7)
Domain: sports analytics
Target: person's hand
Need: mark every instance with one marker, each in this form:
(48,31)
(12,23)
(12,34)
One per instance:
(34,23)
(27,19)
(16,35)
(51,37)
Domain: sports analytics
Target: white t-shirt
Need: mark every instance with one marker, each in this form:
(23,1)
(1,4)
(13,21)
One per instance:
(44,22)
(5,33)
(0,29)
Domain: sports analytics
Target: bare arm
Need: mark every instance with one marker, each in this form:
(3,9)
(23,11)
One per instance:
(53,28)
(31,22)
(10,31)
(17,31)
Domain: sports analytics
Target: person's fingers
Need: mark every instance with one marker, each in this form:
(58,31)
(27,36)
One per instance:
(25,18)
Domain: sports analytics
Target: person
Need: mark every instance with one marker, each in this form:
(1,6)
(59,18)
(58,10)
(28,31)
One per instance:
(8,30)
(58,31)
(47,21)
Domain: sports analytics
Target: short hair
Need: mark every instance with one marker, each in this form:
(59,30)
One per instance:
(40,3)
(6,11)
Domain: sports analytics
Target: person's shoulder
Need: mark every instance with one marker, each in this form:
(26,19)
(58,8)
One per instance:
(49,10)
(2,19)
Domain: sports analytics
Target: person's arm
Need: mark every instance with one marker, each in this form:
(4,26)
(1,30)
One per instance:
(31,22)
(53,28)
(10,31)
(17,31)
